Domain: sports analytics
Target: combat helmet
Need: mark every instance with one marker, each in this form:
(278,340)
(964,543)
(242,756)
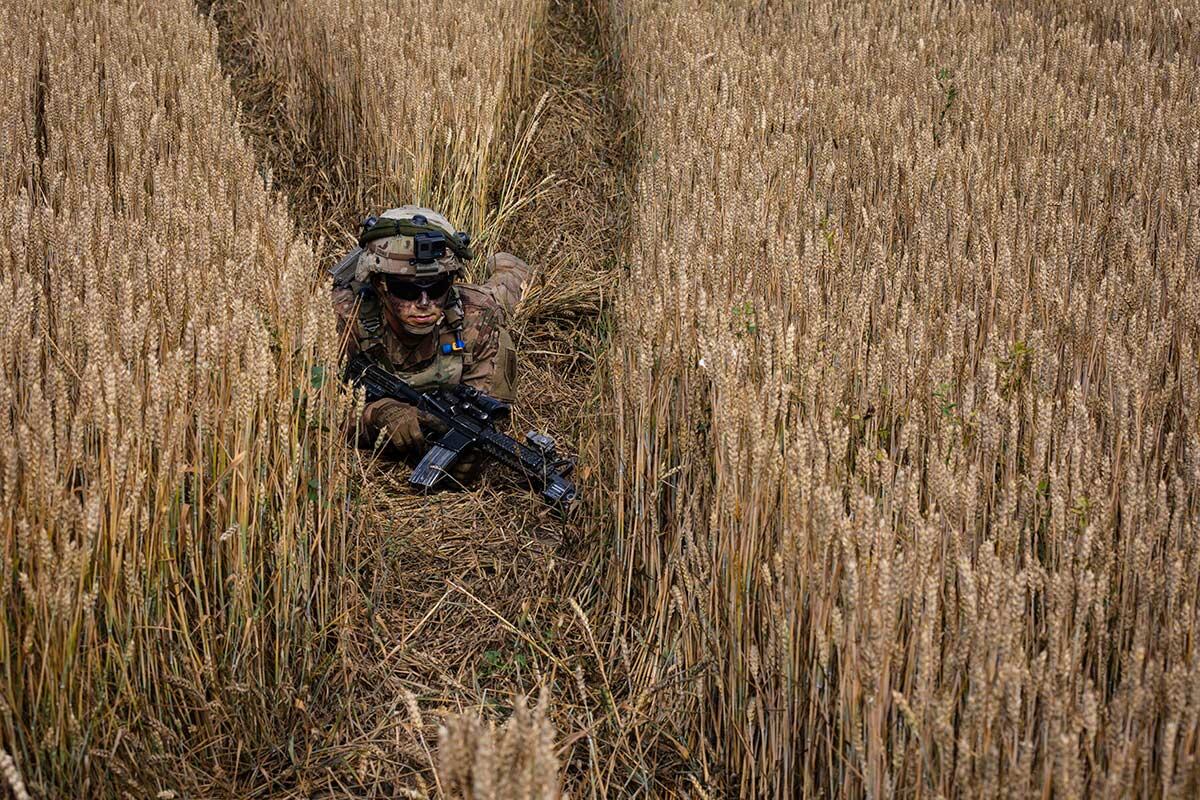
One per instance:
(412,241)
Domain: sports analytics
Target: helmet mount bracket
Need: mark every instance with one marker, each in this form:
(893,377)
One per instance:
(427,248)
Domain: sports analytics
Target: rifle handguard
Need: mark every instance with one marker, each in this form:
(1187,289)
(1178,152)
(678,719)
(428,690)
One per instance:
(470,417)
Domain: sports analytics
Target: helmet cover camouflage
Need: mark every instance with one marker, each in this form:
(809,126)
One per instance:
(394,255)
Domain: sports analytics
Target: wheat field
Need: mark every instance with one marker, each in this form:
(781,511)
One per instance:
(173,482)
(875,327)
(920,367)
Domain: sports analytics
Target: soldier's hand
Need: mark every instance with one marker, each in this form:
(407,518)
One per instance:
(399,421)
(466,469)
(431,424)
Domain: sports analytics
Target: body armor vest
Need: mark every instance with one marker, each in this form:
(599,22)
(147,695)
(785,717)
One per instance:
(445,370)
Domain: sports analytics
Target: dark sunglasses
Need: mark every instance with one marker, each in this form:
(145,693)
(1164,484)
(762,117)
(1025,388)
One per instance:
(408,289)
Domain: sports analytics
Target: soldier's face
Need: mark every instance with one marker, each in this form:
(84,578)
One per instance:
(417,305)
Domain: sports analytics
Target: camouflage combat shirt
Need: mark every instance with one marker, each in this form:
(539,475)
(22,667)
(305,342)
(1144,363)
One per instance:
(471,344)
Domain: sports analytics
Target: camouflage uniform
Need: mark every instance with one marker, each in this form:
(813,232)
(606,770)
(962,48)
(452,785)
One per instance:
(487,360)
(469,344)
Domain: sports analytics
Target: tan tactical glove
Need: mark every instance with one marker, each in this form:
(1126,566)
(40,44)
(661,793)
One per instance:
(399,421)
(405,428)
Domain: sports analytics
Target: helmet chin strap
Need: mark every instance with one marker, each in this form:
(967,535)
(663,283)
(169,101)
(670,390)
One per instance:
(419,330)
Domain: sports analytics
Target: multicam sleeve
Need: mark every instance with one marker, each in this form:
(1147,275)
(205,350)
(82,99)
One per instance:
(509,276)
(481,333)
(345,307)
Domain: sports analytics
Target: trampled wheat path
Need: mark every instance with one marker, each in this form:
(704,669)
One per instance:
(465,597)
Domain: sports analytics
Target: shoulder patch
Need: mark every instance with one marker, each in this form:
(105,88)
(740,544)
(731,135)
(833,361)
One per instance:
(482,315)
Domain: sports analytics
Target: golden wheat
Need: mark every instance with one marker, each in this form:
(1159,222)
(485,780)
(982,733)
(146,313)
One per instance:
(382,103)
(172,478)
(906,371)
(903,396)
(12,776)
(478,763)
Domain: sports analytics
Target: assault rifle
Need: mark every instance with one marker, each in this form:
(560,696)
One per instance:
(470,418)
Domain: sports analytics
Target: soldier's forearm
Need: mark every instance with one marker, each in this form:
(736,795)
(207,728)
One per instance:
(480,379)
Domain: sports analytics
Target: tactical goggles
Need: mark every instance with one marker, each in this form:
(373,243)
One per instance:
(411,290)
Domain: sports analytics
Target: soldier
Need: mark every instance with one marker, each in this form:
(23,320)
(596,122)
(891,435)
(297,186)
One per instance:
(403,307)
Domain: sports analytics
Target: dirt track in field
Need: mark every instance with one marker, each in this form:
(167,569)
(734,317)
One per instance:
(465,596)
